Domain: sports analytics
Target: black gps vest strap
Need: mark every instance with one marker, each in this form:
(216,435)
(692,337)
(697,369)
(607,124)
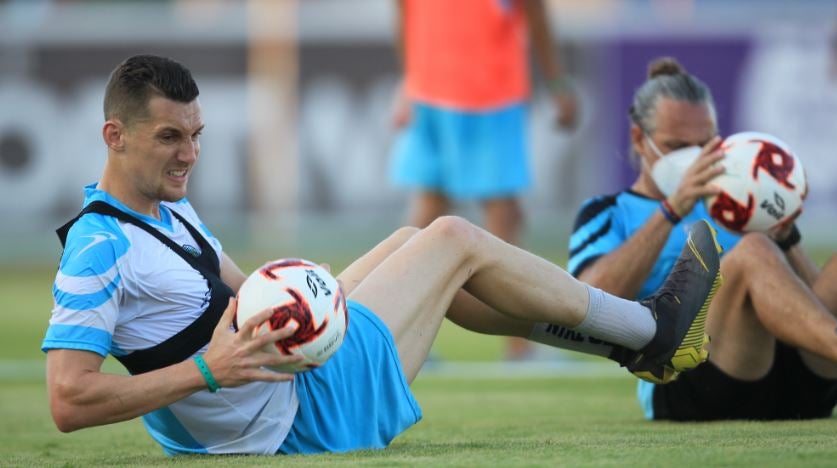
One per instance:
(188,341)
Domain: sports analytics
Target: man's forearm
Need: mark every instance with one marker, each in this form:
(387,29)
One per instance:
(623,271)
(91,398)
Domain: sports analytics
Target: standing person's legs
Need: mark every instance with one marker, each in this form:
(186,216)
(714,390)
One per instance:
(426,206)
(504,218)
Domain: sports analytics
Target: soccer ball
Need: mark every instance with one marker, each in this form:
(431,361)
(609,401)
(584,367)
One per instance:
(303,295)
(762,186)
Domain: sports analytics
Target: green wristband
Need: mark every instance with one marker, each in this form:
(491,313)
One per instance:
(207,375)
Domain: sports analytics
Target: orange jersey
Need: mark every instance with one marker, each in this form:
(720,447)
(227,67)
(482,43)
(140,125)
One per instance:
(466,54)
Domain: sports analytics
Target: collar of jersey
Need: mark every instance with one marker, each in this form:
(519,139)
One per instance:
(92,193)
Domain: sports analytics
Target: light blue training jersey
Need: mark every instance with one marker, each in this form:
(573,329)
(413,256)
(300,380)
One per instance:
(606,222)
(118,289)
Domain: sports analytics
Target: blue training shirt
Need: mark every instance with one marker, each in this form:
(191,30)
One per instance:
(606,222)
(119,290)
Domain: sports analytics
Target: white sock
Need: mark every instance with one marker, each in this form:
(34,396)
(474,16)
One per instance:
(617,320)
(562,337)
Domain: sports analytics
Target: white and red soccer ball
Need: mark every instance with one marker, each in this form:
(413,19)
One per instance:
(303,295)
(763,184)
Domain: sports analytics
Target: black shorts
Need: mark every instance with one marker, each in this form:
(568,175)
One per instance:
(789,391)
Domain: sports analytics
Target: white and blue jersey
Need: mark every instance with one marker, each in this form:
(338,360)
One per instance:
(604,223)
(119,290)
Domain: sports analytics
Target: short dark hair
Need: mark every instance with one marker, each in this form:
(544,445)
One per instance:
(138,78)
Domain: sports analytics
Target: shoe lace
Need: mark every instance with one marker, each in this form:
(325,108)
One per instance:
(677,280)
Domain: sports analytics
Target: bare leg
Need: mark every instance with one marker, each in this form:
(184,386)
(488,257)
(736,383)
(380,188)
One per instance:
(762,300)
(504,219)
(427,206)
(413,288)
(825,288)
(465,310)
(360,268)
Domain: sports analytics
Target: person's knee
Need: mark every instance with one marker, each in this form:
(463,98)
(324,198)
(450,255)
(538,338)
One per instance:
(456,230)
(753,255)
(403,234)
(754,248)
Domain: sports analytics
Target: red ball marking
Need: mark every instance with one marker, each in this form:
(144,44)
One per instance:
(767,159)
(270,270)
(340,303)
(741,214)
(300,311)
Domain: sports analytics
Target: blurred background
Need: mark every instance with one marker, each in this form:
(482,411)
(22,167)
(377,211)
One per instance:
(297,95)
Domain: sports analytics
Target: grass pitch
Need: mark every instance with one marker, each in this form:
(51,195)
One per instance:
(469,420)
(556,421)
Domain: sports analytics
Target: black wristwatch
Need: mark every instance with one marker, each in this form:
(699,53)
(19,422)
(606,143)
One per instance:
(793,238)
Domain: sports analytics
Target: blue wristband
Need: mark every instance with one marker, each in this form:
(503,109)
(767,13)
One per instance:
(207,375)
(669,213)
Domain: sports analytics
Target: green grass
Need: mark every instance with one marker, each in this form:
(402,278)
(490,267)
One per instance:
(467,422)
(26,305)
(549,421)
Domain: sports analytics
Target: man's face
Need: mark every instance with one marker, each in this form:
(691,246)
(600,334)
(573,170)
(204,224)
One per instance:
(679,124)
(161,150)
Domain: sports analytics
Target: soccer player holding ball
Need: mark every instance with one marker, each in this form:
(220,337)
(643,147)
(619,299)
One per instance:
(773,353)
(141,278)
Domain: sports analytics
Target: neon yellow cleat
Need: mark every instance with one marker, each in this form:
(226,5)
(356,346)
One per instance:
(680,307)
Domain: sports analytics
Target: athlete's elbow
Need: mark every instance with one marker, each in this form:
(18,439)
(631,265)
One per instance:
(67,416)
(65,419)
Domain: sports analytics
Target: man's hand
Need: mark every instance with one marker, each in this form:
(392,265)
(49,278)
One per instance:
(566,108)
(238,358)
(695,183)
(402,111)
(780,232)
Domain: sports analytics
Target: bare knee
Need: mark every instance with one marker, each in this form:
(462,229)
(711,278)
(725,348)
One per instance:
(754,250)
(455,230)
(758,242)
(403,234)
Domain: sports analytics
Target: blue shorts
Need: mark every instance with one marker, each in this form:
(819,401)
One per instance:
(359,399)
(476,155)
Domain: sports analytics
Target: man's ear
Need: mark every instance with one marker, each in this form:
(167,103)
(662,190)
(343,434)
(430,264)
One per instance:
(637,139)
(113,132)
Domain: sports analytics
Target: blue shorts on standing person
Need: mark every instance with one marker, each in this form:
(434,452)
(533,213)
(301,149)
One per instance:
(464,155)
(358,399)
